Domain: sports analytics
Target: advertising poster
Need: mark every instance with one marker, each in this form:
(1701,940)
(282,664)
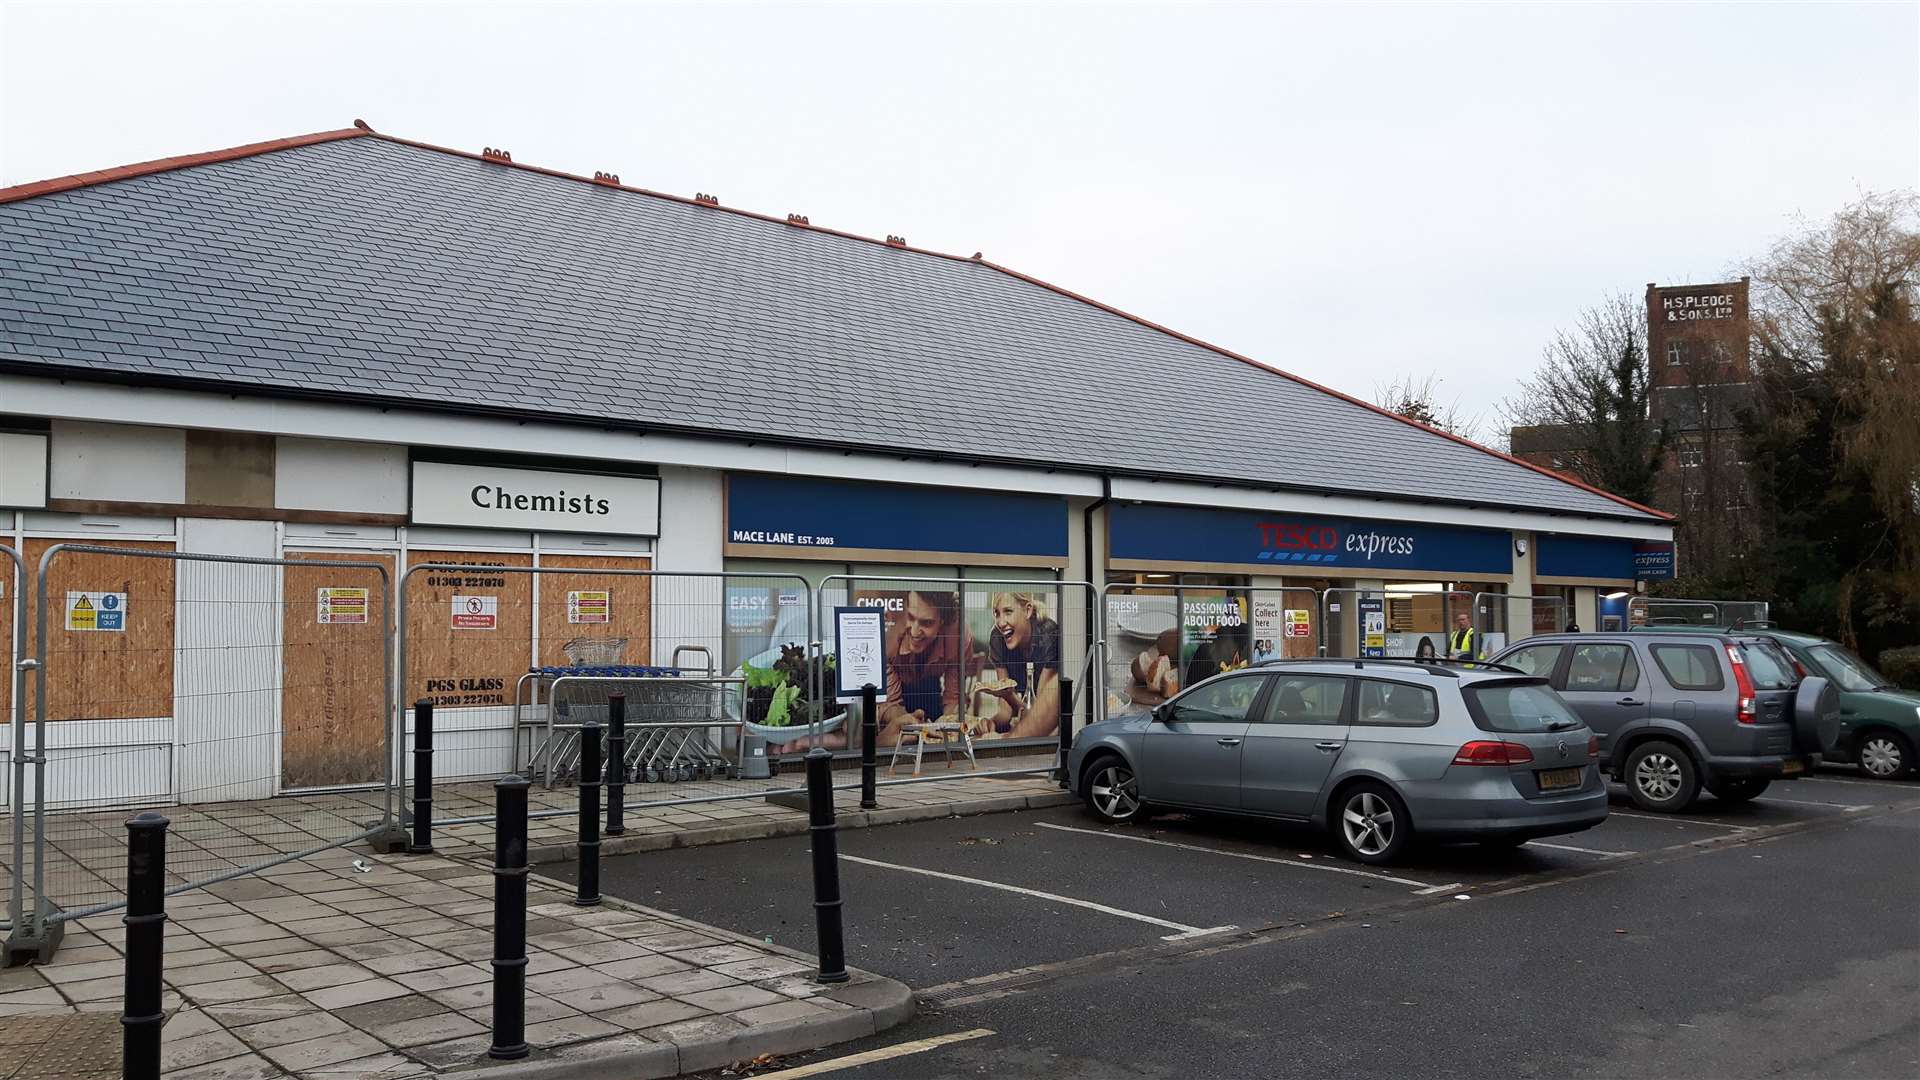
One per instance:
(336,606)
(1143,655)
(1012,690)
(589,605)
(1215,635)
(1373,625)
(989,660)
(1270,627)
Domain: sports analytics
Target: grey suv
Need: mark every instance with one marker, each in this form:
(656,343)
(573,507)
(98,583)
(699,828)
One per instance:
(1676,712)
(1374,750)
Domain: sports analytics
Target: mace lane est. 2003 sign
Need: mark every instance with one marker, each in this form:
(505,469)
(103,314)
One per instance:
(811,517)
(1155,536)
(492,497)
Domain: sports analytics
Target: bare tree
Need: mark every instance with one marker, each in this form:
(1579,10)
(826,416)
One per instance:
(1589,402)
(1418,398)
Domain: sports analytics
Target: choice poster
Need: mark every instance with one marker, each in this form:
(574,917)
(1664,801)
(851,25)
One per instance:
(988,660)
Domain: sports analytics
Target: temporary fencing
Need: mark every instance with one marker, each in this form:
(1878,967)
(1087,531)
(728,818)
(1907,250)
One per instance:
(1678,611)
(162,678)
(1504,618)
(975,663)
(1163,637)
(518,658)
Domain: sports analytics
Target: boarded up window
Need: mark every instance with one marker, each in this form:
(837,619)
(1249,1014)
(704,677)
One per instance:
(110,632)
(469,631)
(333,707)
(607,614)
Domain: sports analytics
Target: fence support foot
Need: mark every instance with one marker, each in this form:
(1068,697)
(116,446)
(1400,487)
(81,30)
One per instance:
(33,943)
(392,839)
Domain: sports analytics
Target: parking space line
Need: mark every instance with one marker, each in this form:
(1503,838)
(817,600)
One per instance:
(868,1057)
(1849,807)
(1672,819)
(1182,930)
(1581,850)
(1856,781)
(1295,863)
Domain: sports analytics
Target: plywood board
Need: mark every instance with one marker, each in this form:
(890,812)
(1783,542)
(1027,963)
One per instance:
(333,699)
(477,663)
(107,674)
(628,614)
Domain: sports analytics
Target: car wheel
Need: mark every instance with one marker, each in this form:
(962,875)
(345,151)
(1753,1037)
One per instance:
(1371,824)
(1112,791)
(1660,777)
(1884,755)
(1738,790)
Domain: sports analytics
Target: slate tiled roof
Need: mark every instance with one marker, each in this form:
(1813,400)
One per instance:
(367,267)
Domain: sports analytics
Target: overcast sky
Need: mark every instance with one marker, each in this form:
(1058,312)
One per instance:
(1347,192)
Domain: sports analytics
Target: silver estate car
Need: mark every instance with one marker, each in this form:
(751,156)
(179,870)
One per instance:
(1377,751)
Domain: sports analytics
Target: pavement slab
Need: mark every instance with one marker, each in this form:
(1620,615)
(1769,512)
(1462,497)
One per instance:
(344,963)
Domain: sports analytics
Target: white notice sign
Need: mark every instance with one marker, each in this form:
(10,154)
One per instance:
(860,651)
(476,612)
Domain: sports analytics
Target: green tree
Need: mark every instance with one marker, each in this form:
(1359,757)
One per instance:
(1832,435)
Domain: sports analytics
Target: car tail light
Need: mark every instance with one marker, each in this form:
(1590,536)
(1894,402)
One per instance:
(1488,752)
(1749,712)
(1593,746)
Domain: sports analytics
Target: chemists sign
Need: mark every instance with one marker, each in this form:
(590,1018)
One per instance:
(488,497)
(1146,536)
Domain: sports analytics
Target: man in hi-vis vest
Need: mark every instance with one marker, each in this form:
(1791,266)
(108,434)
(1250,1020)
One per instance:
(1463,643)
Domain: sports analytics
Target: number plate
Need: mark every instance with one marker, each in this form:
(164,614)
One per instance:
(1556,779)
(1792,768)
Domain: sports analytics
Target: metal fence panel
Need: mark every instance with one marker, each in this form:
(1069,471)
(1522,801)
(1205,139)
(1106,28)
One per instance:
(1504,618)
(215,683)
(1677,611)
(517,657)
(1162,638)
(986,653)
(1403,622)
(13,631)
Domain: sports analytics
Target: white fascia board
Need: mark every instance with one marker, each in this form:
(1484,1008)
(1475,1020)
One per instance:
(167,407)
(1362,506)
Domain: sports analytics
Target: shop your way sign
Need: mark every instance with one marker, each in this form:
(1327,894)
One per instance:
(490,497)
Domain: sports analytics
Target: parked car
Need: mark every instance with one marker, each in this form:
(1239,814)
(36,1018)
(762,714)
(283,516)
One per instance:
(1677,711)
(1879,725)
(1376,751)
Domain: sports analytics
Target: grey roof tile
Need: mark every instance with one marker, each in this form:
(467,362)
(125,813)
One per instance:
(375,268)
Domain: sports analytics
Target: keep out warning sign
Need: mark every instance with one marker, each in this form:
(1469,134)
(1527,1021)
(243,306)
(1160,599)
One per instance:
(337,605)
(97,611)
(476,612)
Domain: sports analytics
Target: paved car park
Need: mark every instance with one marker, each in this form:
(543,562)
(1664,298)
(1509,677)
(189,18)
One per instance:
(1005,897)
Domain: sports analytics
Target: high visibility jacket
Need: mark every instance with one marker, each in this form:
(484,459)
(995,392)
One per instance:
(1462,641)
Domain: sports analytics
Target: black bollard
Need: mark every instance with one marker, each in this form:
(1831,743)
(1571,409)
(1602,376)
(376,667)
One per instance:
(509,919)
(587,892)
(1066,728)
(616,764)
(869,752)
(422,843)
(826,866)
(146,923)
